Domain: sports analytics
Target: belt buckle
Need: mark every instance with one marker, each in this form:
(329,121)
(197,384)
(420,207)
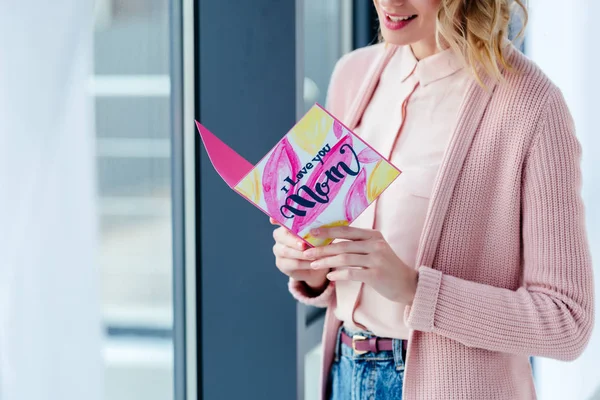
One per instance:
(358,338)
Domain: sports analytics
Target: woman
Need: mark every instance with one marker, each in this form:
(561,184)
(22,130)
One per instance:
(476,257)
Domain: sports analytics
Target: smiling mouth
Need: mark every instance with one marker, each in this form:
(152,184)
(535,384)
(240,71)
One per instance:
(397,18)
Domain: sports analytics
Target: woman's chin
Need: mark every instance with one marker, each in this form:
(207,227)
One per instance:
(406,38)
(397,40)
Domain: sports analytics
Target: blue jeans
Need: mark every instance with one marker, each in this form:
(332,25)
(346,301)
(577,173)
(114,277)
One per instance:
(377,376)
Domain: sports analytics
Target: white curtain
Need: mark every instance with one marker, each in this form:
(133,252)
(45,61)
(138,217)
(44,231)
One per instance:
(50,332)
(563,39)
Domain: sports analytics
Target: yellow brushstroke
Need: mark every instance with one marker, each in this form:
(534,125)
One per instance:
(310,132)
(250,186)
(383,174)
(324,241)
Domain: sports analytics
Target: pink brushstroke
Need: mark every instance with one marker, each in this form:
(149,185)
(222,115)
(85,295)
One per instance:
(368,156)
(332,159)
(338,129)
(356,199)
(282,163)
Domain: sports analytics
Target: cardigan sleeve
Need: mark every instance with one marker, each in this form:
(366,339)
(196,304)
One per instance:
(551,314)
(304,294)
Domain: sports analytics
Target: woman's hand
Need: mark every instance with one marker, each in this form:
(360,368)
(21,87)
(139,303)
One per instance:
(366,257)
(291,261)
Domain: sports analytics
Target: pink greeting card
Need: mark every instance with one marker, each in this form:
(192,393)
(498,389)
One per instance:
(319,175)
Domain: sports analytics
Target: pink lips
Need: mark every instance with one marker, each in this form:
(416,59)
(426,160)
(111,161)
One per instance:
(396,25)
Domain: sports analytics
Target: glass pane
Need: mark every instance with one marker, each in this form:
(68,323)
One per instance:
(131,86)
(515,28)
(312,373)
(322,47)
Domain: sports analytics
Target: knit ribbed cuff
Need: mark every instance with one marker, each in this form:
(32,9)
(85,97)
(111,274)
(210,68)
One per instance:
(304,294)
(420,316)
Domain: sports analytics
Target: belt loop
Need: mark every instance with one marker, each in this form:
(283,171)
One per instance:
(338,343)
(398,346)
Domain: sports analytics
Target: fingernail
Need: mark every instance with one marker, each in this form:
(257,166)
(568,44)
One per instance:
(309,254)
(315,264)
(300,245)
(315,231)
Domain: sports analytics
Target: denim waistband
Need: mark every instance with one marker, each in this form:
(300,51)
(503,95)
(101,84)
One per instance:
(342,350)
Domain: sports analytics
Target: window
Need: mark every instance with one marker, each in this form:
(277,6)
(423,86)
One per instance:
(131,86)
(327,36)
(515,27)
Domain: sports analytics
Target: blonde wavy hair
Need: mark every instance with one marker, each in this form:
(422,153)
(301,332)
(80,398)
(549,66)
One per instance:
(476,29)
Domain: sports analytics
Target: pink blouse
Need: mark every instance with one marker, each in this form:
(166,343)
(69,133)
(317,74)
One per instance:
(416,126)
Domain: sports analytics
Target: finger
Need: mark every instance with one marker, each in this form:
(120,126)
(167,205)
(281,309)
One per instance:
(285,237)
(283,251)
(341,260)
(345,232)
(273,221)
(289,265)
(349,274)
(355,247)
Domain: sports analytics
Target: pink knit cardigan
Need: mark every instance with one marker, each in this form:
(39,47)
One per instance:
(504,265)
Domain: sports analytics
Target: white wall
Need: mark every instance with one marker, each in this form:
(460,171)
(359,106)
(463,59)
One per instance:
(50,331)
(564,39)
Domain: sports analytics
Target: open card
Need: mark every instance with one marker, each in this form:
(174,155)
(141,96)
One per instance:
(319,175)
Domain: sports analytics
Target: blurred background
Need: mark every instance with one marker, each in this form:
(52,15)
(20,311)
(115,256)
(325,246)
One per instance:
(131,86)
(148,75)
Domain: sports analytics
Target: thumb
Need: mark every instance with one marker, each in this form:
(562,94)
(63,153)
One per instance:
(273,222)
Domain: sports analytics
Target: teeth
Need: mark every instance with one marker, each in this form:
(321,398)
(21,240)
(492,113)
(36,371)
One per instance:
(397,19)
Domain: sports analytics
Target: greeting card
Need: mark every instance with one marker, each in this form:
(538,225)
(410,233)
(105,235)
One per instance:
(320,174)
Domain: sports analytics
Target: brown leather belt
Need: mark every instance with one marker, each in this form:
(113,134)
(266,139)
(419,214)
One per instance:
(361,344)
